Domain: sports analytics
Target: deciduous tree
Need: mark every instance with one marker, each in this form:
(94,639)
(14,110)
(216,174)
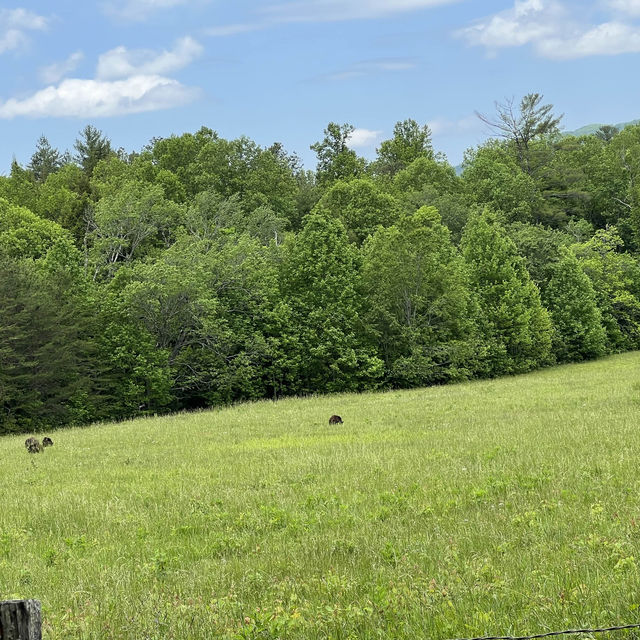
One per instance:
(410,141)
(327,346)
(419,304)
(336,161)
(521,125)
(360,205)
(515,327)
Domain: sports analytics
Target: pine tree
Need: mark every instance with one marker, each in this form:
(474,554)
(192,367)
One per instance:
(91,147)
(45,160)
(44,357)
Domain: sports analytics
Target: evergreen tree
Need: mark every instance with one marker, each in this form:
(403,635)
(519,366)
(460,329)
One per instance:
(46,359)
(44,161)
(522,127)
(91,147)
(45,354)
(607,132)
(514,325)
(20,403)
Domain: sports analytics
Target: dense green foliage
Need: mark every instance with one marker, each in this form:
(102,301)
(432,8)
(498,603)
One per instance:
(201,271)
(419,304)
(514,325)
(505,506)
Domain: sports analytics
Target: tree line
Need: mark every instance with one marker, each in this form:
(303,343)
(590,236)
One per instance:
(201,271)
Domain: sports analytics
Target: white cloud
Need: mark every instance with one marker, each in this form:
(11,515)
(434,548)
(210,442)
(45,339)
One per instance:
(388,65)
(138,10)
(607,39)
(325,11)
(631,7)
(528,21)
(22,19)
(56,71)
(442,126)
(126,82)
(234,29)
(360,138)
(335,10)
(371,67)
(549,27)
(12,39)
(96,98)
(123,63)
(14,23)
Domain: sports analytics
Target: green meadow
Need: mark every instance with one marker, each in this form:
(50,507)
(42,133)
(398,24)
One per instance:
(507,506)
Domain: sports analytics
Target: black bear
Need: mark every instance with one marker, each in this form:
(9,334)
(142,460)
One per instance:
(33,445)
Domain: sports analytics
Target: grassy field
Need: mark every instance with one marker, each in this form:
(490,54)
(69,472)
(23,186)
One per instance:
(506,506)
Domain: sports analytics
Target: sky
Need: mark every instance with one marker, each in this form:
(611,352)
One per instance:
(281,70)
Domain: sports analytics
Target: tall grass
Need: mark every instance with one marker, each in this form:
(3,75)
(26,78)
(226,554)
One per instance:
(506,506)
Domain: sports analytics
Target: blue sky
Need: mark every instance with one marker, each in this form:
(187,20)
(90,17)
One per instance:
(280,70)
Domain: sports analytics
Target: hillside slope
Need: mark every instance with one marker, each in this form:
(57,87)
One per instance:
(590,129)
(492,507)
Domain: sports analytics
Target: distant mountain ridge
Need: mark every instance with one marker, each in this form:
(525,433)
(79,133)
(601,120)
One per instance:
(590,129)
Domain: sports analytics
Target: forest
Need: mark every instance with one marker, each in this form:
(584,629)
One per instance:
(201,271)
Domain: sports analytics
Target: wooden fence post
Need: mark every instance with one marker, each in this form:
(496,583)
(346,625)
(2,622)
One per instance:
(20,620)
